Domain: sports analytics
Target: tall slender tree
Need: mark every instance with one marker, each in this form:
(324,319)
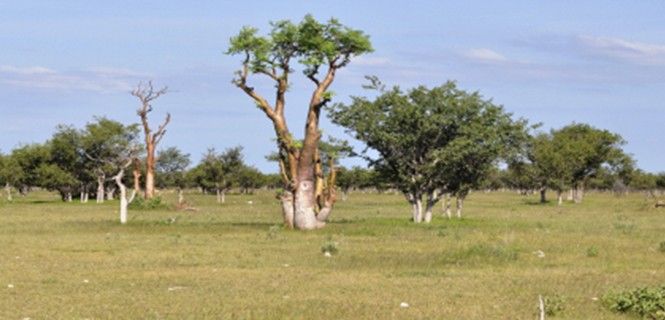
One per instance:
(323,49)
(146,95)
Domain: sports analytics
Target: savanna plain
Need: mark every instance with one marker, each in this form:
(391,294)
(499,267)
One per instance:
(236,261)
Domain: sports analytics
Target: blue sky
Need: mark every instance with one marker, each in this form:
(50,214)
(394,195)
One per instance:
(555,62)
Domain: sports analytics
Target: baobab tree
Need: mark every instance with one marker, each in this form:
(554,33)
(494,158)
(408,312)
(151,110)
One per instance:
(323,49)
(146,94)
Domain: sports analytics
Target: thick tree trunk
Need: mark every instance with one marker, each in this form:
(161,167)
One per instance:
(559,197)
(571,195)
(543,195)
(304,204)
(8,190)
(86,196)
(100,188)
(219,196)
(286,199)
(460,205)
(223,196)
(69,196)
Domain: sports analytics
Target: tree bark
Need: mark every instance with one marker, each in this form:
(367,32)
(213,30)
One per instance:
(124,201)
(286,199)
(304,202)
(447,204)
(432,198)
(150,173)
(543,195)
(100,188)
(460,205)
(219,196)
(223,196)
(559,197)
(571,195)
(136,172)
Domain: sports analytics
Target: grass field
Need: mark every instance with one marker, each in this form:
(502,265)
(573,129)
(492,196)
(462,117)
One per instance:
(235,261)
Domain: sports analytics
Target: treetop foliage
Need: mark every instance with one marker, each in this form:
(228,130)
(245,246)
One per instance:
(311,42)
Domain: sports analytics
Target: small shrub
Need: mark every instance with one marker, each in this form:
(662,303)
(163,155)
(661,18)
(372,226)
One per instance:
(646,302)
(329,246)
(661,247)
(149,204)
(592,251)
(554,305)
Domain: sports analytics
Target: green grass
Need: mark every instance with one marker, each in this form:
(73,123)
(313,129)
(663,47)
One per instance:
(235,261)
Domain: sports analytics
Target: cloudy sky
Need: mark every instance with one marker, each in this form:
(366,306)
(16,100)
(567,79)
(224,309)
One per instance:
(555,62)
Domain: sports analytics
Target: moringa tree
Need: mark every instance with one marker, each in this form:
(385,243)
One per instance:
(146,94)
(323,49)
(431,141)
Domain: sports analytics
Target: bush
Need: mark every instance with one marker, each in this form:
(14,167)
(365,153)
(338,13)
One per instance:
(329,246)
(647,302)
(554,305)
(150,204)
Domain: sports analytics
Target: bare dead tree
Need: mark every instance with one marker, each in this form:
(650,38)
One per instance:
(146,94)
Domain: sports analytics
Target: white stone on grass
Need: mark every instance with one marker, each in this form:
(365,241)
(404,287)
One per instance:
(403,305)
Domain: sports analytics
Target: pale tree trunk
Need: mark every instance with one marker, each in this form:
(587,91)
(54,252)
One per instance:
(124,201)
(460,205)
(110,193)
(304,202)
(86,195)
(571,195)
(219,196)
(432,198)
(223,192)
(559,197)
(286,199)
(100,188)
(69,196)
(181,197)
(446,205)
(416,206)
(8,190)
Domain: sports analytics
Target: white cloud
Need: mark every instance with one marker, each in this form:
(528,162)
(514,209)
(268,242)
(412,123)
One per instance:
(370,61)
(616,48)
(98,79)
(25,70)
(484,55)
